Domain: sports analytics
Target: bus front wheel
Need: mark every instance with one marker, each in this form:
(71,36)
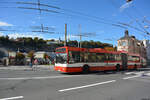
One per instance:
(85,69)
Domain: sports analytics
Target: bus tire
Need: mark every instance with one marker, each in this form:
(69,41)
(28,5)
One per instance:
(85,69)
(117,67)
(135,67)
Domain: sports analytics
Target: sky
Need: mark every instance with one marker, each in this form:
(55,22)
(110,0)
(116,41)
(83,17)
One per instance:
(100,18)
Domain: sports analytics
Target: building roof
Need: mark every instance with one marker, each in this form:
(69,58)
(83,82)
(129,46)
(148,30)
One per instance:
(126,36)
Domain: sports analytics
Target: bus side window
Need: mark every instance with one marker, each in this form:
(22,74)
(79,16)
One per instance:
(111,57)
(92,57)
(129,58)
(133,58)
(86,57)
(71,60)
(136,58)
(74,57)
(117,57)
(81,57)
(101,57)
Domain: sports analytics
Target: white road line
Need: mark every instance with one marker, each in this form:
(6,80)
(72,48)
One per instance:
(125,78)
(128,73)
(140,72)
(35,78)
(148,74)
(12,98)
(63,90)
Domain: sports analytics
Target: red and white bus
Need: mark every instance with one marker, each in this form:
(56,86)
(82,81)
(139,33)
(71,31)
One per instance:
(73,59)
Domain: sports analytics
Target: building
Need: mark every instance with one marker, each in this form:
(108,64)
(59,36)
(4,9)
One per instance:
(147,46)
(4,56)
(52,41)
(40,56)
(132,45)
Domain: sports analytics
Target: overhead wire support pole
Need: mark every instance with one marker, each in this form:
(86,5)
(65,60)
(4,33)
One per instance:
(80,36)
(65,42)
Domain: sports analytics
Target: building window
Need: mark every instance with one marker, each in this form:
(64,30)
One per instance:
(124,43)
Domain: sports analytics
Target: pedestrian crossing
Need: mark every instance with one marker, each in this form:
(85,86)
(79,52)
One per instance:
(142,73)
(139,76)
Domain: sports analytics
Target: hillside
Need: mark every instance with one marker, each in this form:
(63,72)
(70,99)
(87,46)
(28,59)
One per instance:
(36,44)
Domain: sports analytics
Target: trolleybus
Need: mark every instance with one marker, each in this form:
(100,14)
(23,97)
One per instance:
(74,59)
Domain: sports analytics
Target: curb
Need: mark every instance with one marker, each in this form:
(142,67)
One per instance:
(26,69)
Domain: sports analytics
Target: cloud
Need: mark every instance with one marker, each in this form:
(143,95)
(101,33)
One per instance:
(32,35)
(1,34)
(126,5)
(5,24)
(70,36)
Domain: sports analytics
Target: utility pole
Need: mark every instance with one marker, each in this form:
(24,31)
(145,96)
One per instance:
(80,35)
(65,42)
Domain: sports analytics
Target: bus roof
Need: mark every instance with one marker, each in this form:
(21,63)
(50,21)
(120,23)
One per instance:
(96,50)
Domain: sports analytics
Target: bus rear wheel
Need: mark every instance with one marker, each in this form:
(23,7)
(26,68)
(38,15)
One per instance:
(117,67)
(85,69)
(135,67)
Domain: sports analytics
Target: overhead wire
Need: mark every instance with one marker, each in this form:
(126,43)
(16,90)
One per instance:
(92,18)
(128,15)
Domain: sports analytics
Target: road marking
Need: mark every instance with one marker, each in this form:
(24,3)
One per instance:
(12,98)
(125,78)
(138,74)
(35,78)
(128,73)
(148,74)
(79,87)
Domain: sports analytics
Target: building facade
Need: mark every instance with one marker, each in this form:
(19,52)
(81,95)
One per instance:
(147,46)
(132,45)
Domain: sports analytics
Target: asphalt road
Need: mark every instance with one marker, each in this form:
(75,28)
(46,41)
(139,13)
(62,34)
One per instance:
(51,85)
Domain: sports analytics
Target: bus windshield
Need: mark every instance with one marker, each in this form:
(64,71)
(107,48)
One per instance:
(61,58)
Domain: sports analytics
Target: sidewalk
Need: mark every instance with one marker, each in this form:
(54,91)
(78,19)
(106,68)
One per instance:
(39,67)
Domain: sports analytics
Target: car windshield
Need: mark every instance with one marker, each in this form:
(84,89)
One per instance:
(61,58)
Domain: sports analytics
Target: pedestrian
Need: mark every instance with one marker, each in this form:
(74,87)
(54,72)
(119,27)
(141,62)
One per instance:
(30,64)
(35,64)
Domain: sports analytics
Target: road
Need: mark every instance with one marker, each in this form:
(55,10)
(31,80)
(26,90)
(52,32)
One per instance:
(52,85)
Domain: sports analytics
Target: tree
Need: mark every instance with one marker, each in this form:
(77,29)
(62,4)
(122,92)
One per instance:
(45,56)
(19,58)
(31,55)
(35,42)
(72,43)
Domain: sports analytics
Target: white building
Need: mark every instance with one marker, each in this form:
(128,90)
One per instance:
(147,46)
(131,44)
(39,54)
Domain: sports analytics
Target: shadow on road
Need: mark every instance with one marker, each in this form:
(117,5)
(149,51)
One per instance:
(105,72)
(98,73)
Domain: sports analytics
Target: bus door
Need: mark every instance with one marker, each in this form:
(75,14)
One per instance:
(124,60)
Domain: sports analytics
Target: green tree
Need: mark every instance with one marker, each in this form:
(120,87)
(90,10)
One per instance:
(45,56)
(19,58)
(31,55)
